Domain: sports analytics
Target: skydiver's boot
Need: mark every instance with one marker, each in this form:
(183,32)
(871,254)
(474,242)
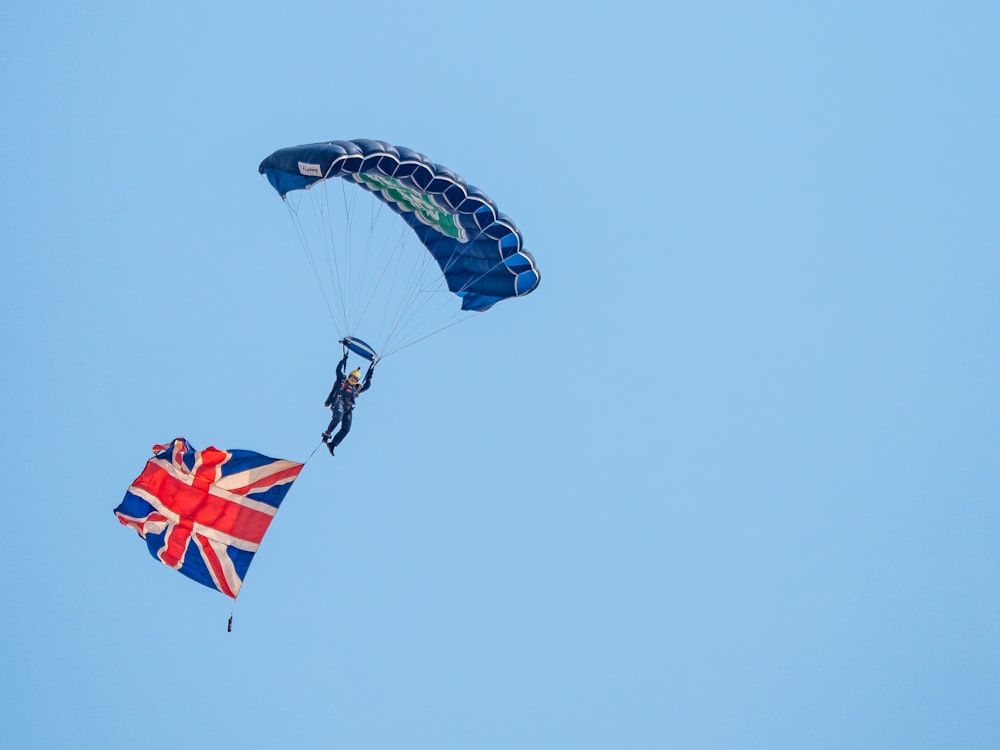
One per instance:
(330,447)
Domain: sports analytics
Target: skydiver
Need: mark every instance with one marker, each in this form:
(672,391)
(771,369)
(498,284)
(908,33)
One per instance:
(341,401)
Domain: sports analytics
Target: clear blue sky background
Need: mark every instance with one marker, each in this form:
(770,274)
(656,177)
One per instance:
(728,479)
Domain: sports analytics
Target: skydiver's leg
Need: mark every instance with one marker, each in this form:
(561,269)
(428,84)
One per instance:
(337,413)
(345,427)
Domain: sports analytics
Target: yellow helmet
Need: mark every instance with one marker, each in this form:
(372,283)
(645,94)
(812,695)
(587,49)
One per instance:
(354,377)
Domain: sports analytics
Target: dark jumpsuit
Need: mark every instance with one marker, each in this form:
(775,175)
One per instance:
(341,403)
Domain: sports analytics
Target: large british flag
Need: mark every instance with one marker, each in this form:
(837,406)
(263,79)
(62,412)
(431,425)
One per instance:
(204,513)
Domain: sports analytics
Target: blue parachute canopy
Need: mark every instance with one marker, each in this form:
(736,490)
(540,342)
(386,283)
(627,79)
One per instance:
(478,249)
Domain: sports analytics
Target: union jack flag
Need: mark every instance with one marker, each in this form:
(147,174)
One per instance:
(204,513)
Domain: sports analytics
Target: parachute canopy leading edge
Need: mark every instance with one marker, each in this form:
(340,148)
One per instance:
(478,249)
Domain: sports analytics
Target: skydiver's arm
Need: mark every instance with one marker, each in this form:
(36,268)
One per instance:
(368,378)
(341,367)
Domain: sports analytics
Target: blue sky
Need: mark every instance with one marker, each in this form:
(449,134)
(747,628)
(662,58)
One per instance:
(727,479)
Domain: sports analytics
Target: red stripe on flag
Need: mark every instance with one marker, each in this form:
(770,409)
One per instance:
(172,553)
(139,524)
(206,472)
(197,506)
(214,565)
(270,480)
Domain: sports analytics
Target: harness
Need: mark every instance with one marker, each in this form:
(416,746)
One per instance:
(347,393)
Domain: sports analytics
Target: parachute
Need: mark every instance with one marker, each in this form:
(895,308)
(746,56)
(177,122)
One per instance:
(472,256)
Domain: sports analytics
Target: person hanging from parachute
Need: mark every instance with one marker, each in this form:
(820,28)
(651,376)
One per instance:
(469,256)
(343,395)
